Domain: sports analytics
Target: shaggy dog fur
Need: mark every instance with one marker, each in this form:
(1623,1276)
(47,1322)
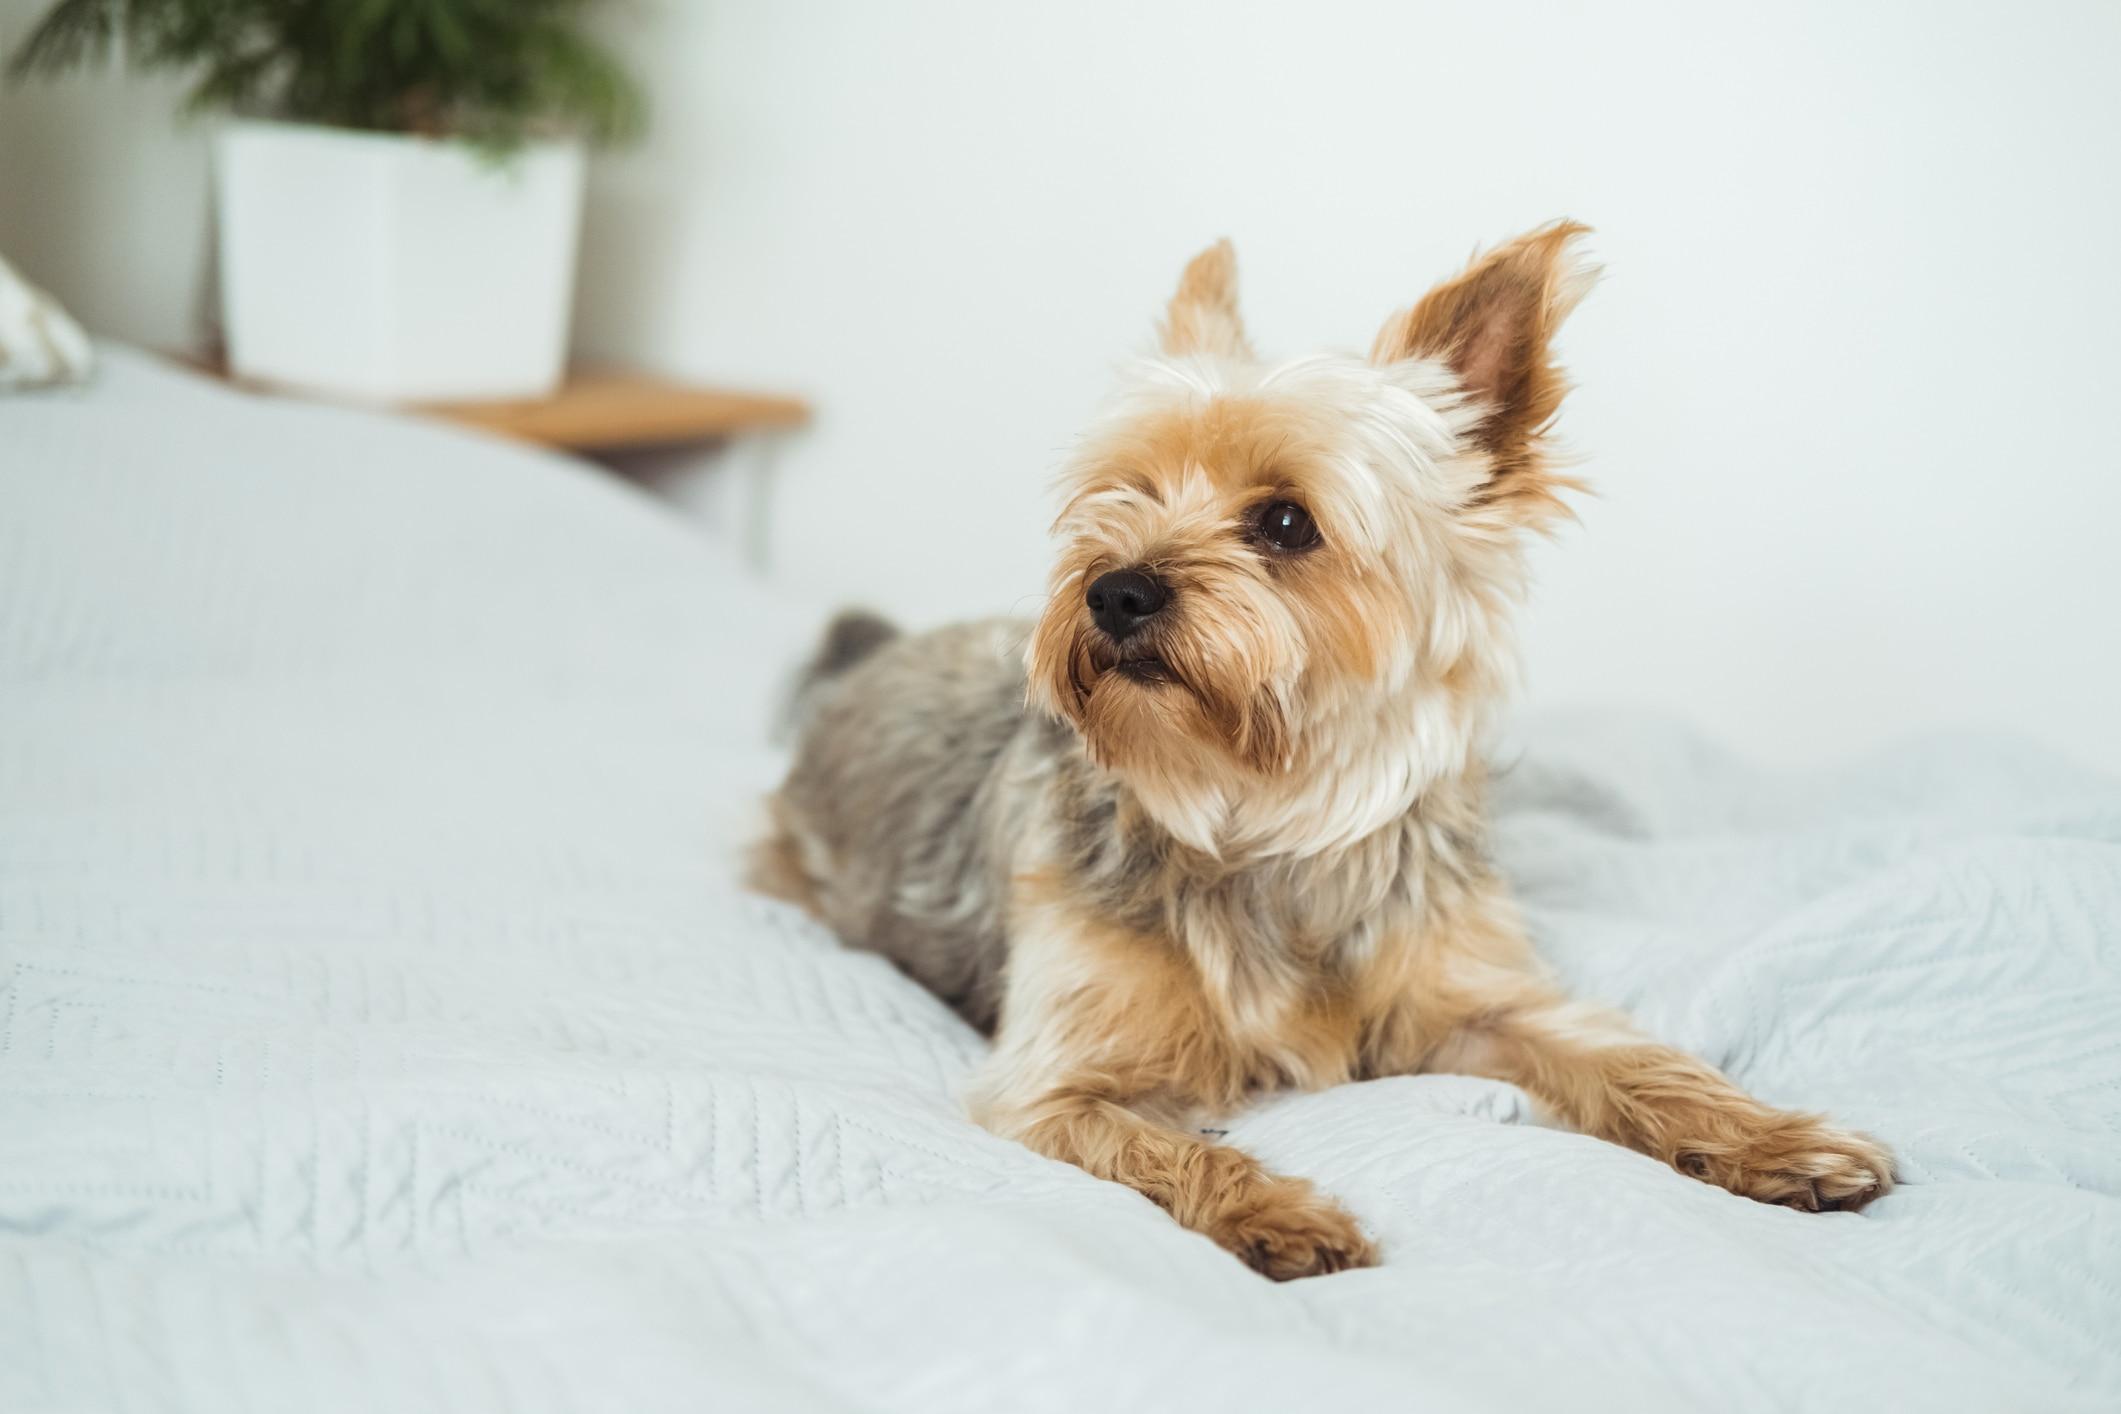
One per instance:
(1213,826)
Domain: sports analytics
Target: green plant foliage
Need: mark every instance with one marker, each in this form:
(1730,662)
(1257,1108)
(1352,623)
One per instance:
(493,71)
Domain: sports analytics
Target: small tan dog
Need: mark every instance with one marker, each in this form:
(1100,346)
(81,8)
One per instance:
(1214,826)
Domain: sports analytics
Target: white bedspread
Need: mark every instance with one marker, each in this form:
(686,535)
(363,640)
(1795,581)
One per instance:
(379,1028)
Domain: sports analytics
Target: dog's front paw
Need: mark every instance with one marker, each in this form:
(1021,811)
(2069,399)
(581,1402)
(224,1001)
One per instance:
(1285,1228)
(1796,1160)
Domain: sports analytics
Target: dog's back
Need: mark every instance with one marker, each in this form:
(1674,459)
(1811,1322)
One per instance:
(884,828)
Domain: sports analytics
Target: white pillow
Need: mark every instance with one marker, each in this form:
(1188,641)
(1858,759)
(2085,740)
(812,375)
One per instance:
(39,344)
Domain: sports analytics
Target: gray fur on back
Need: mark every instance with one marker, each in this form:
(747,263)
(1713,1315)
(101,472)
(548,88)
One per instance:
(895,806)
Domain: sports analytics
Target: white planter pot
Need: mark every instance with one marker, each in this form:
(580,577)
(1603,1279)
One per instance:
(385,268)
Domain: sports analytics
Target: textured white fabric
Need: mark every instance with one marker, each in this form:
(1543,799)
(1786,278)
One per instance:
(379,1029)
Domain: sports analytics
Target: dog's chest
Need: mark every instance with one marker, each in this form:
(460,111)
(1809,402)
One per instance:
(1233,977)
(1280,996)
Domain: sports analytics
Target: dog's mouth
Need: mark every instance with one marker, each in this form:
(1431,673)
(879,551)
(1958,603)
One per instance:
(1149,669)
(1135,661)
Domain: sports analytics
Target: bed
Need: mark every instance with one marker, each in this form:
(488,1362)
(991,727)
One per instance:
(382,1025)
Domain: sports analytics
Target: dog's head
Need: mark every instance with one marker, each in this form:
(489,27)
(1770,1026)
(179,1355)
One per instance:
(1279,610)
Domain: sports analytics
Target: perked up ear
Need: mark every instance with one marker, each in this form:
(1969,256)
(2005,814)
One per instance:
(1493,326)
(1202,317)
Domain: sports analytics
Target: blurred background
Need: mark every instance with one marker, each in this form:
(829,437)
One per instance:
(1844,394)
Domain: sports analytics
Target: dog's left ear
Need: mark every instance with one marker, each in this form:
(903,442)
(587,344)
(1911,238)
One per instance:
(1493,326)
(1202,316)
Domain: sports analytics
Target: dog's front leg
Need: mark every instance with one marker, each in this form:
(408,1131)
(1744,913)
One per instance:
(1280,1226)
(1104,1049)
(1598,1075)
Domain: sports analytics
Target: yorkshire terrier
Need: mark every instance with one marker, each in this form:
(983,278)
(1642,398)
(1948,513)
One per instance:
(1213,825)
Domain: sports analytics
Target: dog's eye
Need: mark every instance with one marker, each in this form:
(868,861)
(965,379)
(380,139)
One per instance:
(1287,526)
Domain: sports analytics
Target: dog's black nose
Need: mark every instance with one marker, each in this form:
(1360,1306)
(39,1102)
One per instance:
(1123,600)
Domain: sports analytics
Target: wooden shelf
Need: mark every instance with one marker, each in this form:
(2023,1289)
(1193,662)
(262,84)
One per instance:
(605,410)
(608,411)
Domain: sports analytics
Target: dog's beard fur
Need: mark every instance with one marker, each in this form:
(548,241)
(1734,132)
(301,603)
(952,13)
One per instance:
(1293,702)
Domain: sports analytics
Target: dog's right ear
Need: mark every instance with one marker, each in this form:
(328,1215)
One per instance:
(1202,317)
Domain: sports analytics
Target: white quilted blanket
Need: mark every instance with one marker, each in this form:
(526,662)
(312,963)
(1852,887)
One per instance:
(379,1030)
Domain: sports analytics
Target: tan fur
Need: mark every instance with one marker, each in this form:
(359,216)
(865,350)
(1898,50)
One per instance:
(1261,866)
(1494,325)
(776,868)
(1592,1071)
(1202,316)
(1125,1046)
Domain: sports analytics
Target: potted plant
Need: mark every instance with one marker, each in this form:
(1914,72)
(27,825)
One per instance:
(398,193)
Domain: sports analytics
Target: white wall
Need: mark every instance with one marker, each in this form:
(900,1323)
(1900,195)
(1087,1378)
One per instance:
(1845,393)
(103,199)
